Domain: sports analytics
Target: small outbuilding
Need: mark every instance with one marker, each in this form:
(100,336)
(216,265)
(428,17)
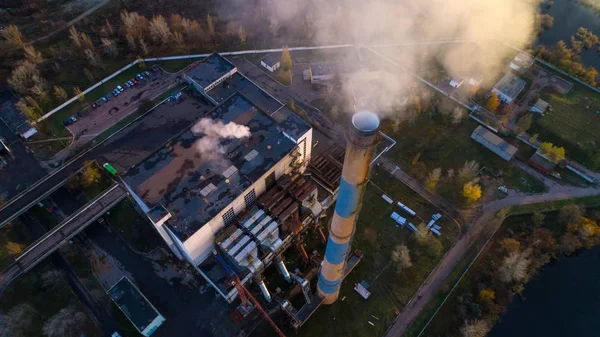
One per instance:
(270,62)
(540,106)
(456,81)
(542,163)
(522,62)
(509,87)
(476,80)
(494,143)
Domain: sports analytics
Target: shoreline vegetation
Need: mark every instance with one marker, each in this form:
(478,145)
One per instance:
(523,245)
(592,5)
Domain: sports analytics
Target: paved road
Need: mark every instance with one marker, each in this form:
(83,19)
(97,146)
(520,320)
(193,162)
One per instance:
(454,255)
(48,243)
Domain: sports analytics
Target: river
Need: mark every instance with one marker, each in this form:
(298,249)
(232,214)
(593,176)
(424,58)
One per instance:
(562,300)
(568,17)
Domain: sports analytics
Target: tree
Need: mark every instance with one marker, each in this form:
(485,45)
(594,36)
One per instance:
(159,29)
(469,170)
(75,37)
(27,110)
(553,153)
(210,25)
(432,179)
(534,138)
(401,256)
(68,322)
(19,321)
(524,124)
(514,266)
(242,35)
(570,214)
(493,102)
(93,58)
(416,158)
(25,76)
(60,93)
(538,218)
(86,41)
(510,245)
(144,47)
(476,328)
(110,47)
(176,23)
(136,25)
(286,59)
(178,38)
(88,74)
(487,295)
(80,95)
(545,21)
(52,278)
(587,230)
(141,63)
(570,243)
(13,35)
(14,248)
(471,192)
(32,55)
(90,173)
(422,234)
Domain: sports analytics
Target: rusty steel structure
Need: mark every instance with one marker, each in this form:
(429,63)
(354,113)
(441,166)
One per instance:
(362,139)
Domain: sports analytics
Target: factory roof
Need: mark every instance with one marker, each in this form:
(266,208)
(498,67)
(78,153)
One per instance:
(270,60)
(510,85)
(134,305)
(196,186)
(209,70)
(239,83)
(290,123)
(498,145)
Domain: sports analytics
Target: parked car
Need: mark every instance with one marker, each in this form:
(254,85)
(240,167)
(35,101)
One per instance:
(115,93)
(127,85)
(94,105)
(72,119)
(120,88)
(139,77)
(107,98)
(134,80)
(154,78)
(146,73)
(67,122)
(79,113)
(131,82)
(154,68)
(104,99)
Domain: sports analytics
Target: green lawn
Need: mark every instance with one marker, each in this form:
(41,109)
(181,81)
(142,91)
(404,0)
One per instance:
(440,143)
(573,122)
(376,236)
(135,228)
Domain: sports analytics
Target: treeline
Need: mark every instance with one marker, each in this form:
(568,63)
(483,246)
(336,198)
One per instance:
(567,58)
(512,259)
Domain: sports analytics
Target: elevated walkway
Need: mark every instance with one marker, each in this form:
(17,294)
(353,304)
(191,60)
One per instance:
(67,229)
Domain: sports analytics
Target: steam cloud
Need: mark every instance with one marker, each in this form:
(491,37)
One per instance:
(393,21)
(209,145)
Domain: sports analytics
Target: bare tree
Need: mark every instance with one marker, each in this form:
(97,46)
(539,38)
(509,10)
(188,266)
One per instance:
(178,38)
(68,322)
(75,37)
(18,322)
(86,41)
(60,93)
(476,328)
(131,42)
(40,93)
(93,58)
(514,266)
(242,35)
(52,278)
(13,35)
(422,235)
(32,55)
(273,26)
(401,256)
(197,33)
(34,105)
(432,179)
(136,25)
(159,29)
(27,110)
(176,23)
(286,59)
(186,27)
(144,47)
(469,170)
(210,25)
(110,47)
(25,76)
(570,214)
(88,74)
(107,29)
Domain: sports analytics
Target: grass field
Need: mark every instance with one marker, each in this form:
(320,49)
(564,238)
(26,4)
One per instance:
(376,236)
(573,122)
(440,143)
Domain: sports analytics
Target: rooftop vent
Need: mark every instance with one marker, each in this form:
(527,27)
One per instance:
(251,155)
(209,188)
(230,171)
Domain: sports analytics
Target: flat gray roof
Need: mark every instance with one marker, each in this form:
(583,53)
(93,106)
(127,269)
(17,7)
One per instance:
(239,83)
(209,70)
(510,85)
(541,105)
(290,123)
(131,301)
(271,59)
(493,142)
(327,69)
(193,186)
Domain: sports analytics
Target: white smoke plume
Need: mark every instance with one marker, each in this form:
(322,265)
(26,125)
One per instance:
(209,145)
(372,22)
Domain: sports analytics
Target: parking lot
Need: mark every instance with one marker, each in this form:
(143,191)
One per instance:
(93,121)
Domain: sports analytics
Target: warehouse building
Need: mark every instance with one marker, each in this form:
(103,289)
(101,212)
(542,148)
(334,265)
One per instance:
(494,143)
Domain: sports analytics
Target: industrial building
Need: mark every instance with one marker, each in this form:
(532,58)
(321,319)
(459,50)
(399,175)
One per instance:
(494,143)
(542,163)
(522,62)
(509,87)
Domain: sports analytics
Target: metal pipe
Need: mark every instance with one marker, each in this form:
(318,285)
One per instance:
(265,291)
(361,142)
(284,270)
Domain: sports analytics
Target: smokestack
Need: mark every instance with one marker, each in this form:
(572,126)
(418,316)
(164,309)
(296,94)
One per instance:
(360,144)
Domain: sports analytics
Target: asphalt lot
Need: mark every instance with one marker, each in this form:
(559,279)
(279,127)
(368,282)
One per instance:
(94,121)
(24,169)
